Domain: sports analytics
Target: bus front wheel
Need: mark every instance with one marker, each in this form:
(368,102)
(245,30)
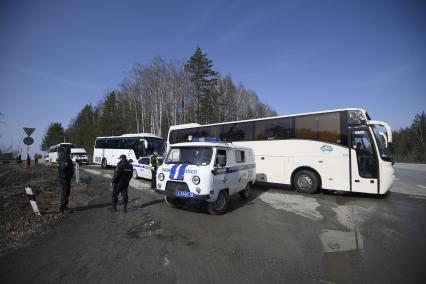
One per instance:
(306,181)
(104,164)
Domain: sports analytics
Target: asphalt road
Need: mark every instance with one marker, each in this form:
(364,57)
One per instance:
(275,236)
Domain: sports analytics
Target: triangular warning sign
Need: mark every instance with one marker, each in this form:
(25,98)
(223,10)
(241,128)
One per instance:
(29,131)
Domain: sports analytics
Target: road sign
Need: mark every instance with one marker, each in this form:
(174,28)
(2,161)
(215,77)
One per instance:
(29,131)
(28,140)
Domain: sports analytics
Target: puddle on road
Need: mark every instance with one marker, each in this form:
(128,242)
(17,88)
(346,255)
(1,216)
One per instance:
(301,205)
(148,229)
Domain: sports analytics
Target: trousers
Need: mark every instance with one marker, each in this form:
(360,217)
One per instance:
(120,189)
(65,194)
(153,179)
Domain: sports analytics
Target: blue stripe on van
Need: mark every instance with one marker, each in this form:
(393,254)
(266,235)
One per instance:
(181,172)
(232,169)
(173,171)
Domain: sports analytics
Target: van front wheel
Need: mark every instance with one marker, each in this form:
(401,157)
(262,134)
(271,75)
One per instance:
(220,205)
(172,202)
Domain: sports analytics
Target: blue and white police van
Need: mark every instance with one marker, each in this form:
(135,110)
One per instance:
(209,171)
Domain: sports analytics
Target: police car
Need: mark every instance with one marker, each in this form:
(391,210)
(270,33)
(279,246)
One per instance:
(79,155)
(210,171)
(142,168)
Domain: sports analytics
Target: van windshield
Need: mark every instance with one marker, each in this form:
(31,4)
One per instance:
(200,156)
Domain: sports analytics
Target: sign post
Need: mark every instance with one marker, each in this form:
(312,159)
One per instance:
(28,141)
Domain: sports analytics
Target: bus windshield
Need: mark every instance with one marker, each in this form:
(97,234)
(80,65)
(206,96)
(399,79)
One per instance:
(381,143)
(200,156)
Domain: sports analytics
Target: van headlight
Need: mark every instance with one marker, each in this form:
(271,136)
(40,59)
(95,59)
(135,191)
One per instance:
(161,176)
(196,180)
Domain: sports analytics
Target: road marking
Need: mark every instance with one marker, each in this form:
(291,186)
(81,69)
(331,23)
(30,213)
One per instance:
(421,186)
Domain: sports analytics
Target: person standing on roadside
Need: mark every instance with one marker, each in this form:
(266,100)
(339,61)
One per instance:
(154,164)
(35,159)
(66,173)
(120,182)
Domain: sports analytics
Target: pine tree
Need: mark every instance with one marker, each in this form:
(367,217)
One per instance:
(203,78)
(54,135)
(109,120)
(82,131)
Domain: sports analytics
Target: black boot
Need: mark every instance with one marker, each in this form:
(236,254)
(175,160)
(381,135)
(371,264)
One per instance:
(125,208)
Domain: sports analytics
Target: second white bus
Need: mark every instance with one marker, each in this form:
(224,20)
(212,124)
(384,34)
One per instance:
(107,150)
(335,150)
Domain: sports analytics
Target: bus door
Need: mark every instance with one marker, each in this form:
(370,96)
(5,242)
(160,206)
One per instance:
(363,161)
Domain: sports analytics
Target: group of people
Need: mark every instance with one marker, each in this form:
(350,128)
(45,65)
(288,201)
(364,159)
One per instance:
(120,181)
(28,160)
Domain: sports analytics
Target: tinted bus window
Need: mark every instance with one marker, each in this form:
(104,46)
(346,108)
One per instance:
(324,127)
(279,128)
(181,135)
(237,131)
(210,131)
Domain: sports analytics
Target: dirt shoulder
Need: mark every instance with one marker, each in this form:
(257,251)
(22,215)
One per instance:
(18,223)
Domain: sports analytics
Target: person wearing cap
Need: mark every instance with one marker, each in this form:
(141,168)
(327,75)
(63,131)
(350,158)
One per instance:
(122,176)
(66,173)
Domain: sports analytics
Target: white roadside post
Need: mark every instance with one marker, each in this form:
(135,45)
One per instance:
(77,172)
(33,202)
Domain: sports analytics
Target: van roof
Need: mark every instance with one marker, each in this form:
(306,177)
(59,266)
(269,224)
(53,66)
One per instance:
(208,144)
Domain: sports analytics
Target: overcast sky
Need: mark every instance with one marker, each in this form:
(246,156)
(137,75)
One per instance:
(299,56)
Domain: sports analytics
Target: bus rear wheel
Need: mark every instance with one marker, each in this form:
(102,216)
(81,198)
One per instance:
(104,164)
(306,181)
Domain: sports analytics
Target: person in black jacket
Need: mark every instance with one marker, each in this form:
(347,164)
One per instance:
(120,181)
(66,172)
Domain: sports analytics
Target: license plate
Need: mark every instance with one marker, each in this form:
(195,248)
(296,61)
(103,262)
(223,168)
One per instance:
(186,194)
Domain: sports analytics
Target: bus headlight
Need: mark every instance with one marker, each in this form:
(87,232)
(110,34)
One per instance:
(161,176)
(196,180)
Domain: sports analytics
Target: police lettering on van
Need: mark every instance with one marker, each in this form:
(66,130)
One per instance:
(206,171)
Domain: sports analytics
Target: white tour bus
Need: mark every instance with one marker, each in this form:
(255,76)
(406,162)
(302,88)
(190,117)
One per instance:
(107,150)
(58,150)
(334,150)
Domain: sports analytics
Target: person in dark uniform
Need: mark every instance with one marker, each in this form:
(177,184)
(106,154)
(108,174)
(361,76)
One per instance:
(122,176)
(66,172)
(154,164)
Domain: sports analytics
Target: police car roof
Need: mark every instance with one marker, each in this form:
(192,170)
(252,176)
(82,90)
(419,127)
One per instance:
(208,144)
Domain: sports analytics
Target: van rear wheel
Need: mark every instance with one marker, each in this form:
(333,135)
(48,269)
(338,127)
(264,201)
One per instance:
(245,193)
(306,181)
(220,205)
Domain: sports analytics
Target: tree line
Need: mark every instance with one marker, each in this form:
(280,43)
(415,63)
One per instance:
(409,144)
(153,97)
